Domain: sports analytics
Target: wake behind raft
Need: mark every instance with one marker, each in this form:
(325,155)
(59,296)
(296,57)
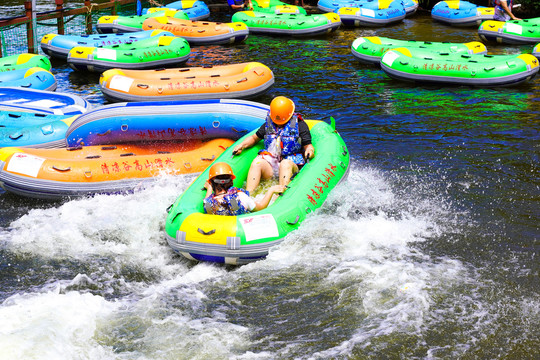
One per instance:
(246,238)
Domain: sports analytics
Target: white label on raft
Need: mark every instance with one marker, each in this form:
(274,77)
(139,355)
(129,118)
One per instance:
(25,164)
(44,103)
(259,227)
(368,12)
(514,28)
(108,54)
(122,83)
(389,58)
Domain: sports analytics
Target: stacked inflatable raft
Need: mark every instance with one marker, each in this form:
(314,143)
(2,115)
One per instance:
(153,52)
(120,24)
(370,49)
(200,32)
(244,80)
(194,9)
(119,147)
(288,24)
(249,237)
(58,46)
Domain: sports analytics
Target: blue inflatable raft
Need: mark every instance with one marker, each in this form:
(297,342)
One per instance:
(32,78)
(166,120)
(461,13)
(58,46)
(25,129)
(195,10)
(40,101)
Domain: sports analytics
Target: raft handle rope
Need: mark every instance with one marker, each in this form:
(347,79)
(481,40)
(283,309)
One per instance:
(128,154)
(111,147)
(163,152)
(93,156)
(344,151)
(238,131)
(105,133)
(16,136)
(209,159)
(74,148)
(295,221)
(206,232)
(61,169)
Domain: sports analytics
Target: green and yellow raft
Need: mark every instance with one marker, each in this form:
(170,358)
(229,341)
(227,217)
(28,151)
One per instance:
(276,7)
(288,24)
(418,65)
(24,61)
(157,51)
(121,24)
(370,49)
(526,31)
(246,238)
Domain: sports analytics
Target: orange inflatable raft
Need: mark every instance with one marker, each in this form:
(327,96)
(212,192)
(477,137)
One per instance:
(237,81)
(81,171)
(200,32)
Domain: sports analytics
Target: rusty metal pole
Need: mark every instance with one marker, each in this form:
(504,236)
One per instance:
(88,6)
(29,26)
(60,18)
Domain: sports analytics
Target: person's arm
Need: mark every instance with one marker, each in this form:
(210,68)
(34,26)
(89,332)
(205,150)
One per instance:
(208,188)
(305,137)
(504,5)
(247,143)
(263,203)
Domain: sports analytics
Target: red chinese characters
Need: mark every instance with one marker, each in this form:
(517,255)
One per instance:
(321,184)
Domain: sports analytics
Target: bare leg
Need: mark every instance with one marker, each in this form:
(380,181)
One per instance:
(259,167)
(286,170)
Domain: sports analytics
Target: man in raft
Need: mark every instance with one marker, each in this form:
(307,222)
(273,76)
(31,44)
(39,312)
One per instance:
(287,142)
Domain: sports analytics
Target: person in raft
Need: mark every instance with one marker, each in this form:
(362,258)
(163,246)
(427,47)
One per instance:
(503,10)
(239,5)
(222,198)
(287,142)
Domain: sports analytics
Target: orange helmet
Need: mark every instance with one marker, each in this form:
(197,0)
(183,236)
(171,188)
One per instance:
(220,168)
(281,110)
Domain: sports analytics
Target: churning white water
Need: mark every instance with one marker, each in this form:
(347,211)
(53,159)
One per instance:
(109,287)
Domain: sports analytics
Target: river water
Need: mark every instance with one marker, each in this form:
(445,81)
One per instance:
(429,250)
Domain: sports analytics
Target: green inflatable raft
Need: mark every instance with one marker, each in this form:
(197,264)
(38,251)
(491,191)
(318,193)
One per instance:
(418,65)
(157,51)
(370,49)
(246,238)
(24,61)
(276,7)
(121,24)
(525,31)
(288,24)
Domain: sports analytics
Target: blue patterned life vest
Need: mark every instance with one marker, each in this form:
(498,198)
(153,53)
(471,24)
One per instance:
(284,142)
(229,204)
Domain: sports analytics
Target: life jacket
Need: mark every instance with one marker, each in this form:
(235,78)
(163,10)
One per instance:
(284,142)
(229,204)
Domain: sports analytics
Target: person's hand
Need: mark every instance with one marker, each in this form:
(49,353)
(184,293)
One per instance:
(207,185)
(237,150)
(278,188)
(310,152)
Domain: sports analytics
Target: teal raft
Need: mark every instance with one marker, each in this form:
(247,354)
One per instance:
(511,32)
(29,129)
(370,49)
(418,65)
(157,51)
(32,78)
(288,24)
(24,61)
(124,24)
(248,237)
